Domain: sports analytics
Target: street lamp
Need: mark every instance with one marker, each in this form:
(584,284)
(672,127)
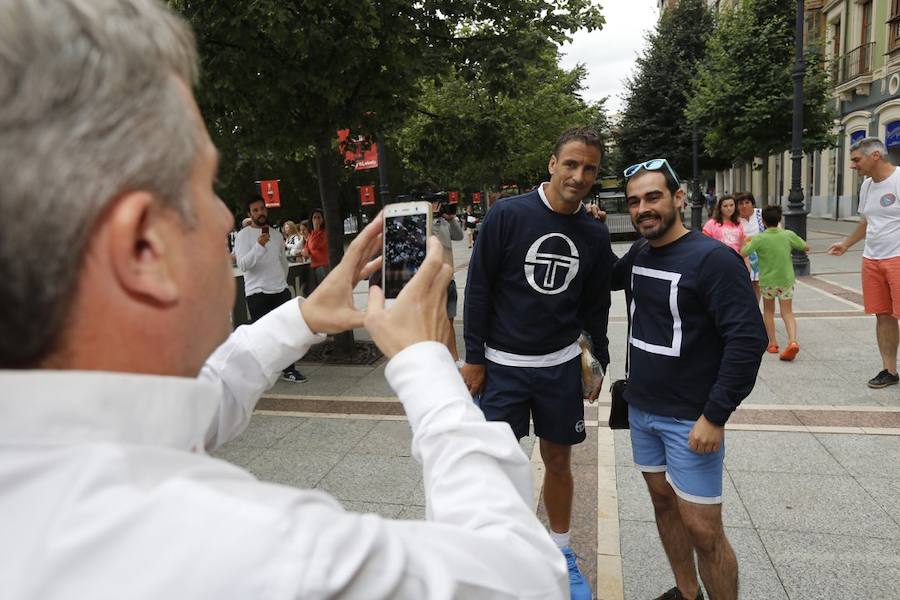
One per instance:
(696,204)
(795,217)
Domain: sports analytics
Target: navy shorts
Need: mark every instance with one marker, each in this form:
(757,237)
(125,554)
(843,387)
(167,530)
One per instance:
(552,396)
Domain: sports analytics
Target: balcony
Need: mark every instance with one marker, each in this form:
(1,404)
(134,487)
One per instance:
(856,63)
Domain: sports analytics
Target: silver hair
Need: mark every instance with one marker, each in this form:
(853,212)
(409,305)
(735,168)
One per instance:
(90,108)
(869,145)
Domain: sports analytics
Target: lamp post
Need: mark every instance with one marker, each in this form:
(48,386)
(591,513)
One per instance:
(795,217)
(696,203)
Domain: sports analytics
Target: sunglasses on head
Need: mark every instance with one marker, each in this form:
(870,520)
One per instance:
(654,164)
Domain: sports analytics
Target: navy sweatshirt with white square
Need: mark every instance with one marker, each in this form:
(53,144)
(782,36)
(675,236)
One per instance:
(697,336)
(537,279)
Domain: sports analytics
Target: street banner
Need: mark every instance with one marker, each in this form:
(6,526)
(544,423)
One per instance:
(268,189)
(453,197)
(352,149)
(366,195)
(476,197)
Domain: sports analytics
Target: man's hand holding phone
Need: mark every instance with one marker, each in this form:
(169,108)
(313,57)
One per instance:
(419,313)
(263,238)
(330,308)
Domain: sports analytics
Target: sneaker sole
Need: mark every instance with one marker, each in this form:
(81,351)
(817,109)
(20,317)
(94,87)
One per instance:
(878,386)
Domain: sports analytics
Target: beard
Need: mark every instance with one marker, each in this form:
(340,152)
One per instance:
(665,223)
(261,220)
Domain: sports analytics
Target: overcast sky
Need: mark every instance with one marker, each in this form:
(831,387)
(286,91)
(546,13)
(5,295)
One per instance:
(609,54)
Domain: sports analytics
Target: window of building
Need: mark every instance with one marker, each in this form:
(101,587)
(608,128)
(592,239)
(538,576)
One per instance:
(894,23)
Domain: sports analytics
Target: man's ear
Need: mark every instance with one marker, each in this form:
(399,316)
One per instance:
(679,197)
(140,243)
(551,166)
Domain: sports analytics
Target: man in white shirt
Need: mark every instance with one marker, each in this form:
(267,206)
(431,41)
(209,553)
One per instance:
(879,225)
(259,253)
(114,388)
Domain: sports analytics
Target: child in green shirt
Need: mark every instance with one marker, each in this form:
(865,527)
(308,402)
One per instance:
(776,276)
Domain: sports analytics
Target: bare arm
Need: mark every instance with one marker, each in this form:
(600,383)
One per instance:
(838,248)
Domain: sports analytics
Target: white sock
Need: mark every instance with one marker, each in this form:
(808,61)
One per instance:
(561,539)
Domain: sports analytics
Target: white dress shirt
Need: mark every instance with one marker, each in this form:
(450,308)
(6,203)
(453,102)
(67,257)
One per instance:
(106,491)
(265,267)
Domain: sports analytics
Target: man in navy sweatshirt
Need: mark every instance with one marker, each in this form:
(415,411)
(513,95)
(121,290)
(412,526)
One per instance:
(538,277)
(696,339)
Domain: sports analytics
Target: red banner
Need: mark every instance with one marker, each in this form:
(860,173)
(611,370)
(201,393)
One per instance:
(453,197)
(268,189)
(352,149)
(366,194)
(476,197)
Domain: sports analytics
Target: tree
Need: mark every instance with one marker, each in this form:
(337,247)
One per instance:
(463,135)
(653,123)
(279,76)
(744,92)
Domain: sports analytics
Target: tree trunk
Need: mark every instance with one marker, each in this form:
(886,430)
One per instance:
(764,201)
(326,173)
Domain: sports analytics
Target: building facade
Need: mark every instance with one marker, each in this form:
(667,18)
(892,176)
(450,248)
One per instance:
(861,40)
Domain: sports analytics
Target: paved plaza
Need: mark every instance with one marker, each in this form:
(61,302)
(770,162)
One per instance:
(812,488)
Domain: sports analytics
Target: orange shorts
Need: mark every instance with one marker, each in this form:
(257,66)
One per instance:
(881,286)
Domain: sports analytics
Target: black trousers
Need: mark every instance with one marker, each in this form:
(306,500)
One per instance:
(261,304)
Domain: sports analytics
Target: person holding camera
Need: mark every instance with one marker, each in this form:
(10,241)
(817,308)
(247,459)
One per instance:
(117,381)
(259,252)
(447,229)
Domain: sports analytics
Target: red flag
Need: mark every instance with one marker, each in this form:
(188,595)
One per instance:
(476,197)
(351,148)
(453,196)
(366,194)
(268,189)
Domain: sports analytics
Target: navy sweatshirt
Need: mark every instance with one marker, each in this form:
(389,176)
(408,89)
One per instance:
(537,279)
(697,336)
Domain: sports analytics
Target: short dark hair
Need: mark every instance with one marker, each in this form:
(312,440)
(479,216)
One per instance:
(671,182)
(251,200)
(741,196)
(717,211)
(585,135)
(771,215)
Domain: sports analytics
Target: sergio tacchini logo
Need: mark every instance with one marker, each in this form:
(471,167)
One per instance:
(560,270)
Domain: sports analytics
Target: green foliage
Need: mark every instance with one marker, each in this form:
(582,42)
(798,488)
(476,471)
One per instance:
(464,135)
(744,93)
(279,76)
(653,122)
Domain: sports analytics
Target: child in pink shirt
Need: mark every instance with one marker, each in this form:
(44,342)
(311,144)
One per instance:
(725,225)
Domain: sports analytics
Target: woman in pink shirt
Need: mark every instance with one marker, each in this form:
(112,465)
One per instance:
(725,225)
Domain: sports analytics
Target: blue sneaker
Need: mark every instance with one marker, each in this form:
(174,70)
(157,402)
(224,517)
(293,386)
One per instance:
(578,586)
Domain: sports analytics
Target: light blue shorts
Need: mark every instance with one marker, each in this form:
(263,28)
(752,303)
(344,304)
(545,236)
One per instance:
(660,445)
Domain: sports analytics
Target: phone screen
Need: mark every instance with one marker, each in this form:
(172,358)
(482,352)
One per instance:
(404,250)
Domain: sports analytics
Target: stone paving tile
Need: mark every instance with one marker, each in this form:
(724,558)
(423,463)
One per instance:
(783,452)
(296,469)
(237,455)
(370,478)
(388,511)
(811,392)
(371,385)
(412,513)
(332,435)
(812,503)
(810,372)
(647,573)
(317,385)
(815,566)
(623,449)
(865,455)
(886,493)
(635,505)
(264,431)
(387,438)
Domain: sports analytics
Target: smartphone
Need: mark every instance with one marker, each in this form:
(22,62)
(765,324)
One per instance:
(407,226)
(265,230)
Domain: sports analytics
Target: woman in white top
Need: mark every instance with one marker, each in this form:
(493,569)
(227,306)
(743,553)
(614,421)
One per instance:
(751,219)
(293,241)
